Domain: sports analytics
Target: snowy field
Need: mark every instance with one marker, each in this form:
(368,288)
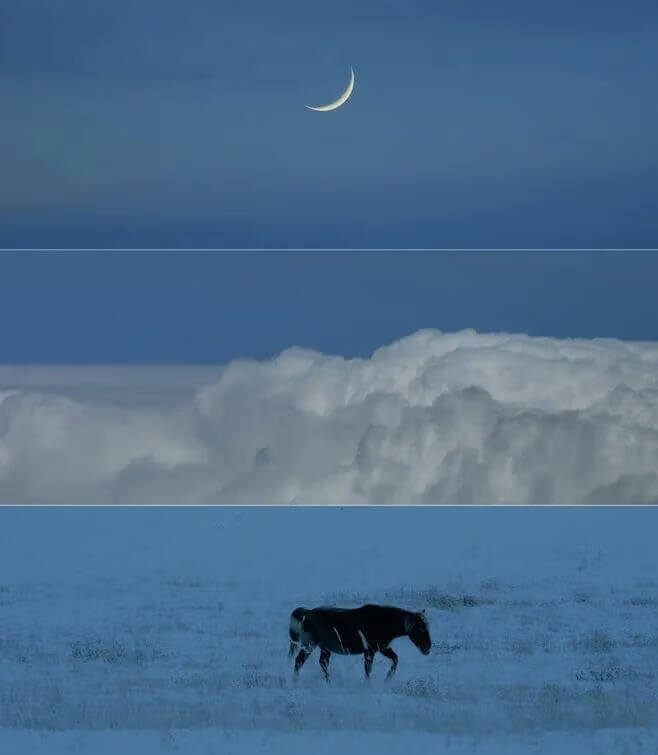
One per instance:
(165,630)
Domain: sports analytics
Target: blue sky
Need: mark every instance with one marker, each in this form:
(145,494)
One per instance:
(472,123)
(191,307)
(161,124)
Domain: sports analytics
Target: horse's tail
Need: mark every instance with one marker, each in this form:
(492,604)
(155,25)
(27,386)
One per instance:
(296,621)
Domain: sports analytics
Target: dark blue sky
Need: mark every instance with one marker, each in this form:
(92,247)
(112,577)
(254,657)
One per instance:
(473,123)
(168,124)
(189,307)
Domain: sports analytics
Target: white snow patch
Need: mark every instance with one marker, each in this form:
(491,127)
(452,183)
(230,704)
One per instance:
(150,630)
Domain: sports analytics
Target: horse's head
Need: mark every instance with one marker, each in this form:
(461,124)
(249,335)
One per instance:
(419,633)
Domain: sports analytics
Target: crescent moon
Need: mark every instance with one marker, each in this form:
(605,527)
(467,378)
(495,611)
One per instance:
(340,101)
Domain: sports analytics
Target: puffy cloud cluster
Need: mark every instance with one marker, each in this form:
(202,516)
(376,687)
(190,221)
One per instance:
(462,418)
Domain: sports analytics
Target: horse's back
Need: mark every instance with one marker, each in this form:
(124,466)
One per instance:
(334,610)
(372,608)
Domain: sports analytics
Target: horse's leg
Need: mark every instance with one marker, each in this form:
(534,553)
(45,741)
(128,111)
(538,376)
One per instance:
(324,663)
(368,656)
(301,658)
(293,647)
(394,658)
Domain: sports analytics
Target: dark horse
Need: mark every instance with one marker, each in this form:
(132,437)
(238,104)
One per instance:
(355,631)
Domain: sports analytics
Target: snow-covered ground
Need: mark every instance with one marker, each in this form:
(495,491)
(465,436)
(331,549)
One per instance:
(165,630)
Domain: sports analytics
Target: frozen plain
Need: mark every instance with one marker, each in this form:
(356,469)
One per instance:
(152,630)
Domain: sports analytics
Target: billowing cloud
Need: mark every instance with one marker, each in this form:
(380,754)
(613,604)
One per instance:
(462,418)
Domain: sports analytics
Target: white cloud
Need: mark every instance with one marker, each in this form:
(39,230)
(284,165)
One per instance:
(461,418)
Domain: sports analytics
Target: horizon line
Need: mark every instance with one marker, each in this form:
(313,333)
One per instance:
(328,249)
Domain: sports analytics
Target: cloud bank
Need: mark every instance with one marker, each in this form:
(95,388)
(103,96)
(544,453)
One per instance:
(435,418)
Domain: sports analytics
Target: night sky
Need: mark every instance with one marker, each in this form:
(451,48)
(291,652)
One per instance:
(210,307)
(472,123)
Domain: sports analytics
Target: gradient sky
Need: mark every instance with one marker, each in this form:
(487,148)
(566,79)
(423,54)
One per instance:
(193,307)
(473,123)
(161,124)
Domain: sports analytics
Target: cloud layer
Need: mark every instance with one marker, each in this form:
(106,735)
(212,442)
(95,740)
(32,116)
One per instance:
(436,418)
